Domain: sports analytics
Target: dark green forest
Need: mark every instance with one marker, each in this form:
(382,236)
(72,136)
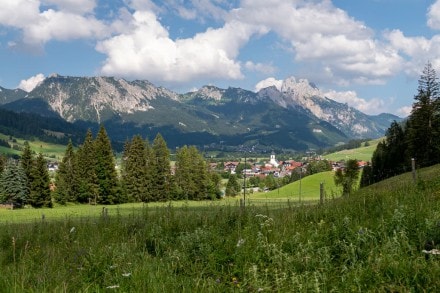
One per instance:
(416,139)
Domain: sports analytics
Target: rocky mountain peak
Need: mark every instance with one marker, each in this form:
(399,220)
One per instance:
(210,92)
(300,88)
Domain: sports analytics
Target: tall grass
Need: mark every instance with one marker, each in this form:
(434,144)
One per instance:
(371,241)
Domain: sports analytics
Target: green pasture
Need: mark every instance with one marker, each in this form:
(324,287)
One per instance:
(363,153)
(379,239)
(307,189)
(49,150)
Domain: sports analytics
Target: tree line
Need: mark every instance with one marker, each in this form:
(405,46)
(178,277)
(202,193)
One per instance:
(90,174)
(417,138)
(26,181)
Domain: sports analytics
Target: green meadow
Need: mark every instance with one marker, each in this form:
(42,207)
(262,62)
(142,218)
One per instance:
(380,239)
(49,150)
(308,189)
(363,153)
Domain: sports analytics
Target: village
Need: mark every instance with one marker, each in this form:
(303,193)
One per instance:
(280,168)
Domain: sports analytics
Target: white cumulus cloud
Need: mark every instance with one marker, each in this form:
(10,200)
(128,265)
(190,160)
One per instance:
(373,106)
(404,111)
(434,15)
(271,81)
(147,51)
(30,83)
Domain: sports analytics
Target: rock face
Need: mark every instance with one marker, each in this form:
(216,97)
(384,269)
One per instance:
(97,98)
(295,115)
(307,96)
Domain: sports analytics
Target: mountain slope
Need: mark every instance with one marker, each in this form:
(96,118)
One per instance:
(295,117)
(307,96)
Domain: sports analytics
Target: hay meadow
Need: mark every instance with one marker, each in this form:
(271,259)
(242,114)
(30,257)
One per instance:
(372,241)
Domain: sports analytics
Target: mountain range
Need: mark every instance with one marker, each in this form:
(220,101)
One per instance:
(295,116)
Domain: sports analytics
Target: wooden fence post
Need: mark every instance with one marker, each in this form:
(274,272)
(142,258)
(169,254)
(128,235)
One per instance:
(321,193)
(413,168)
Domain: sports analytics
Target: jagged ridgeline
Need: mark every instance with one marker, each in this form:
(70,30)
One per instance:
(295,116)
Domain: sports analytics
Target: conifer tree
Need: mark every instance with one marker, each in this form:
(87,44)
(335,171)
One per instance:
(200,174)
(108,185)
(86,162)
(39,195)
(13,184)
(367,176)
(134,174)
(150,173)
(161,177)
(26,162)
(3,161)
(66,185)
(184,178)
(423,125)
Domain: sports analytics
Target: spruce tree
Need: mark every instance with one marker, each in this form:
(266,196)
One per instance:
(184,174)
(150,173)
(13,184)
(161,177)
(66,183)
(134,172)
(39,195)
(86,173)
(105,168)
(3,161)
(26,162)
(423,124)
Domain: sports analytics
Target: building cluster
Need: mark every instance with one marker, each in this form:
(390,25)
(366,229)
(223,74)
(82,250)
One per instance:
(279,168)
(263,169)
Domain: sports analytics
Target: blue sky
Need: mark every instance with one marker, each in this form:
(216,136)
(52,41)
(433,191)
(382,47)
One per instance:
(367,53)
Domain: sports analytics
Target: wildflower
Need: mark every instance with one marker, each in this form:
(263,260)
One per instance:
(235,282)
(113,287)
(432,251)
(72,230)
(240,242)
(126,274)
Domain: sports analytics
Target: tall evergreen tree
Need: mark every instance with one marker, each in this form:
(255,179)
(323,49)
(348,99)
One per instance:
(86,170)
(39,195)
(13,184)
(191,174)
(26,162)
(423,126)
(150,173)
(66,181)
(134,172)
(108,185)
(367,176)
(161,178)
(3,161)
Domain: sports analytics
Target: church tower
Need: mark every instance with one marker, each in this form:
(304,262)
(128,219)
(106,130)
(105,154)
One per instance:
(273,161)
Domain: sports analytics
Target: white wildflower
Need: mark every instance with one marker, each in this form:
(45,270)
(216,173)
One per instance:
(126,274)
(240,242)
(72,230)
(113,287)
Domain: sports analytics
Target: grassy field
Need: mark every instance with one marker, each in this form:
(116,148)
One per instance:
(51,151)
(306,189)
(363,153)
(372,241)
